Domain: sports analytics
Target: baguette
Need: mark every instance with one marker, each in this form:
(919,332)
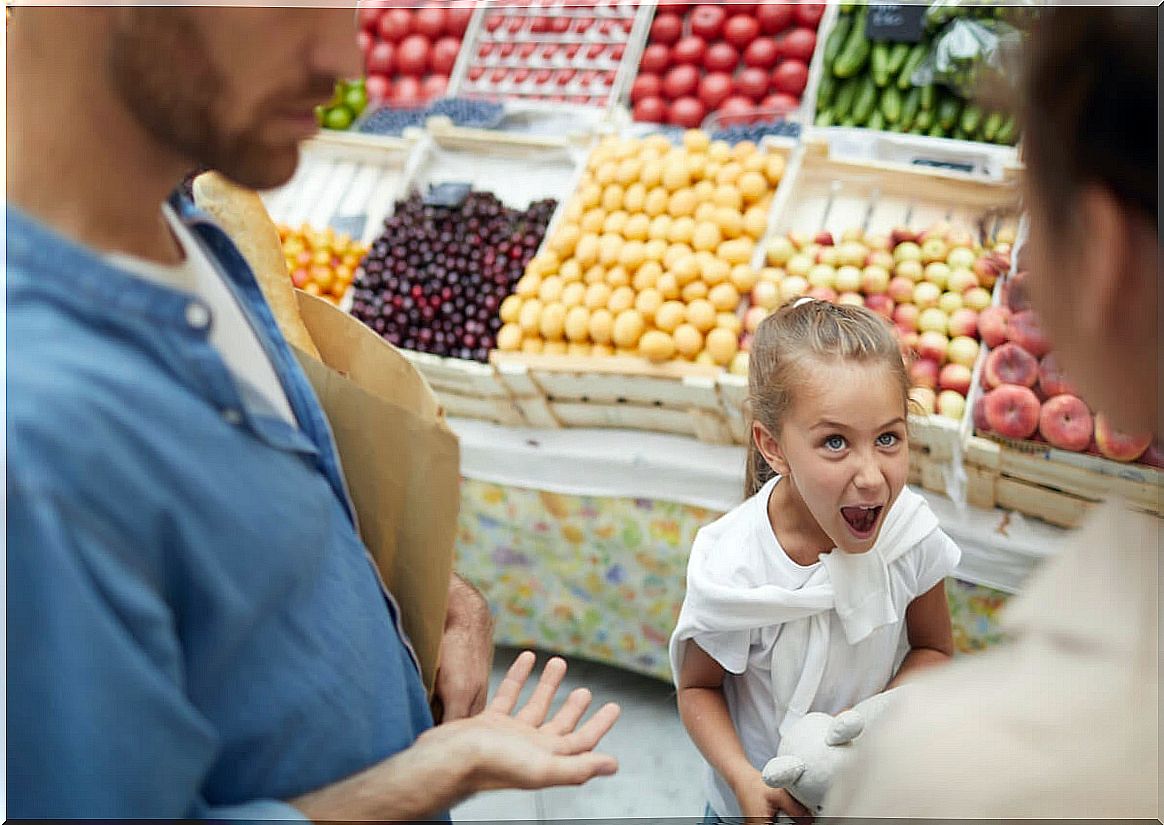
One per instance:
(242,215)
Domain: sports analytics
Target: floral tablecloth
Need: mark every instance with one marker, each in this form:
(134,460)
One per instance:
(603,578)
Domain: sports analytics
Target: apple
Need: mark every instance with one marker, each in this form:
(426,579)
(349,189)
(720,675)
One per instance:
(922,400)
(848,279)
(667,29)
(881,304)
(950,302)
(937,273)
(779,251)
(924,373)
(933,319)
(852,299)
(951,404)
(955,377)
(934,250)
(822,275)
(964,322)
(961,257)
(1117,445)
(986,270)
(792,287)
(1010,364)
(1026,331)
(979,414)
(852,253)
(1052,379)
(900,289)
(909,269)
(1012,411)
(907,251)
(908,339)
(874,279)
(707,21)
(961,280)
(879,243)
(800,239)
(1065,422)
(823,293)
(765,294)
(906,316)
(976,298)
(799,265)
(721,57)
(828,255)
(754,316)
(926,294)
(963,350)
(902,234)
(993,324)
(933,345)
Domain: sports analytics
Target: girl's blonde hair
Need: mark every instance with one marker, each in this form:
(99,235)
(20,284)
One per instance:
(784,348)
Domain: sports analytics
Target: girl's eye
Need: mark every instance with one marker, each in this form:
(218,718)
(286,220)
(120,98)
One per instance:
(835,443)
(886,440)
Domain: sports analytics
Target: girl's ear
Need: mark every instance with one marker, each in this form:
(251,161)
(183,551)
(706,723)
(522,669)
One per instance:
(769,447)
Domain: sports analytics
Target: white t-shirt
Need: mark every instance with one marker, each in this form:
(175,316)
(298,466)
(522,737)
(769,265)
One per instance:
(231,332)
(749,555)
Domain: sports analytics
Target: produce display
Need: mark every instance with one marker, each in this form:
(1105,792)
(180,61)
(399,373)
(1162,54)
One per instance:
(1026,394)
(346,104)
(434,280)
(651,255)
(932,285)
(390,120)
(742,61)
(557,52)
(409,53)
(890,85)
(323,263)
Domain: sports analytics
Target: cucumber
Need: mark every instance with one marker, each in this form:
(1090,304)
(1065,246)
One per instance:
(866,100)
(876,121)
(936,131)
(837,39)
(897,57)
(826,90)
(1007,132)
(948,111)
(824,118)
(891,105)
(855,53)
(971,119)
(991,126)
(923,122)
(929,96)
(879,62)
(848,123)
(916,55)
(910,107)
(844,99)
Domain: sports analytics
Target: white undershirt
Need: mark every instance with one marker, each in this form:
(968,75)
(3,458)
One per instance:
(231,332)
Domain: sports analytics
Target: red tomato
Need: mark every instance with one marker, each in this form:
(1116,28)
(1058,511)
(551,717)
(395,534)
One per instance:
(721,57)
(646,85)
(656,58)
(651,110)
(680,81)
(430,21)
(687,112)
(689,51)
(369,17)
(740,30)
(364,40)
(406,92)
(715,88)
(790,77)
(667,29)
(444,55)
(412,55)
(706,21)
(809,14)
(752,83)
(434,86)
(381,58)
(761,53)
(798,44)
(395,25)
(457,22)
(736,111)
(378,87)
(774,17)
(779,103)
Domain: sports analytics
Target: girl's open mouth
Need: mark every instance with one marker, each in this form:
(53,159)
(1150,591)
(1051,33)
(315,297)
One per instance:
(862,520)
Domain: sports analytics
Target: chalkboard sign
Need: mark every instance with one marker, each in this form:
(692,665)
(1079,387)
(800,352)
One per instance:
(447,194)
(896,22)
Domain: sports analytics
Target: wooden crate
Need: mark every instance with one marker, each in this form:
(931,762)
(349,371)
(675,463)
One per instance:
(467,389)
(554,392)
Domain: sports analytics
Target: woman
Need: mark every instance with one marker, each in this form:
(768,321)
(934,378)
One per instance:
(1063,722)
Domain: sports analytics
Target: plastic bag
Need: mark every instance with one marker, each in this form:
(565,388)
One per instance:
(970,52)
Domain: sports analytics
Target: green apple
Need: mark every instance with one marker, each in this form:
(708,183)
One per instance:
(848,279)
(926,295)
(950,302)
(976,298)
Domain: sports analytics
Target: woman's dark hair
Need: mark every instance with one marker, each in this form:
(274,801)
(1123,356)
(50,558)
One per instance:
(1090,105)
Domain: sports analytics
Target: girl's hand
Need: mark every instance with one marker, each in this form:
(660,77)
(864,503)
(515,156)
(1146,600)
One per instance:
(761,804)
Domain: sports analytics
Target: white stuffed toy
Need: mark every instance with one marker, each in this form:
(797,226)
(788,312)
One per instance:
(814,749)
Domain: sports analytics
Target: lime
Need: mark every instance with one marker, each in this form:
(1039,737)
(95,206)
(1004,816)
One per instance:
(356,99)
(320,114)
(338,117)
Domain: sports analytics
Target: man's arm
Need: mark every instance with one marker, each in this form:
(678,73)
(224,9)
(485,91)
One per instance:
(466,659)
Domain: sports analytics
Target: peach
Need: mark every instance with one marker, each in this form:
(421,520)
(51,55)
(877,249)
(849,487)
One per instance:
(909,269)
(951,404)
(933,345)
(922,400)
(1153,456)
(976,298)
(955,377)
(1118,445)
(829,255)
(1026,331)
(963,350)
(961,280)
(992,325)
(874,279)
(937,273)
(950,302)
(1012,411)
(848,279)
(1011,364)
(924,373)
(906,316)
(964,321)
(907,251)
(926,294)
(881,304)
(900,289)
(979,414)
(1052,380)
(933,319)
(1015,294)
(1065,422)
(823,293)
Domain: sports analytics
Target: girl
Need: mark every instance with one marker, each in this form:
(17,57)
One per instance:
(825,586)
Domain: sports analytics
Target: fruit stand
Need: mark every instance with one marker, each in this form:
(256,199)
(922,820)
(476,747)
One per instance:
(582,302)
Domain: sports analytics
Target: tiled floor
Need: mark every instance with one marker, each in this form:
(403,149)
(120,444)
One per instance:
(660,772)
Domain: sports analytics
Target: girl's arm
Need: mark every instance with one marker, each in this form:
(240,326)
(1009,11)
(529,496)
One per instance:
(931,634)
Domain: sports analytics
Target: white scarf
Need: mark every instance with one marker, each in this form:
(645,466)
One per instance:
(855,585)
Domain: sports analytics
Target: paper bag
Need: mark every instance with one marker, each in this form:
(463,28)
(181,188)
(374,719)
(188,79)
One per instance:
(401,462)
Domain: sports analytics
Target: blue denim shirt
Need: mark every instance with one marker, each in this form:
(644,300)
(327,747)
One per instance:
(194,627)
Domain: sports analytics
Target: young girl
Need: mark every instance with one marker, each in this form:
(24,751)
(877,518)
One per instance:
(825,586)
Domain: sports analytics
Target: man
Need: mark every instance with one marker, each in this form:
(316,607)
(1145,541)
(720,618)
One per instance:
(195,629)
(1063,722)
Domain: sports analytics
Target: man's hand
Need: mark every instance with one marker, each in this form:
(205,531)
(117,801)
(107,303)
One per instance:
(462,680)
(761,804)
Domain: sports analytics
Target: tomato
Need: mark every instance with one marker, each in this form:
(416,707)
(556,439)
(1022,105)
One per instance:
(412,55)
(647,85)
(798,44)
(809,14)
(737,110)
(395,25)
(444,55)
(715,88)
(680,81)
(721,57)
(774,17)
(706,21)
(790,77)
(761,53)
(434,86)
(667,29)
(430,21)
(752,83)
(651,110)
(457,22)
(656,59)
(779,104)
(689,51)
(382,58)
(687,112)
(740,30)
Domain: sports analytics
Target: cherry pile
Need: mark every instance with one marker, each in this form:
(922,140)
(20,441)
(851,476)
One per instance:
(435,278)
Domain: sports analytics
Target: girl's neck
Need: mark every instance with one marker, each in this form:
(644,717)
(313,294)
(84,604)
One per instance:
(796,530)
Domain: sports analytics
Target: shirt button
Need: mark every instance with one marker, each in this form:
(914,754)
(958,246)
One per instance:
(197,316)
(232,416)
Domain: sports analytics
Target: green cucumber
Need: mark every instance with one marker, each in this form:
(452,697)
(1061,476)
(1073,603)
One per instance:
(971,119)
(824,118)
(837,39)
(897,57)
(923,121)
(929,96)
(891,105)
(948,111)
(910,107)
(936,131)
(876,121)
(991,126)
(879,63)
(826,90)
(916,55)
(855,53)
(1007,132)
(844,98)
(866,100)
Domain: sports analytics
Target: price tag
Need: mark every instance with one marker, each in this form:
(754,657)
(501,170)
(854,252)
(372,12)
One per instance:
(351,224)
(896,22)
(447,194)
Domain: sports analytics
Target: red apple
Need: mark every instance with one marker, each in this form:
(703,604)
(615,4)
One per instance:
(646,85)
(955,377)
(666,29)
(721,57)
(1065,422)
(715,88)
(993,324)
(881,304)
(761,53)
(933,345)
(1052,379)
(687,112)
(924,373)
(790,77)
(1026,331)
(656,59)
(824,239)
(798,44)
(1010,364)
(706,21)
(381,59)
(680,81)
(444,55)
(1117,445)
(1012,411)
(650,110)
(774,17)
(395,25)
(752,83)
(809,14)
(740,30)
(689,51)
